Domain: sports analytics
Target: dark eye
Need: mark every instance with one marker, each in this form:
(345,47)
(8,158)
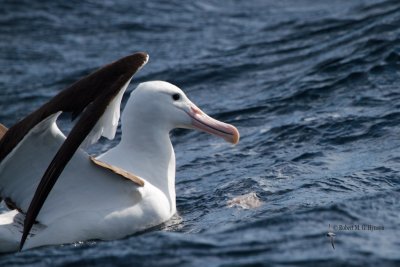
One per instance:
(176,97)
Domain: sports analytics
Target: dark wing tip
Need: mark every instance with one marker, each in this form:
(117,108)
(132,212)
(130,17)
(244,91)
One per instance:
(106,75)
(135,61)
(143,55)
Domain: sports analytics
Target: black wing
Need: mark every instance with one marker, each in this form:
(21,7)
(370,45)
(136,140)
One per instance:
(89,97)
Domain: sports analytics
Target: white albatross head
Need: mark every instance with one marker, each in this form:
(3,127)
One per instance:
(167,106)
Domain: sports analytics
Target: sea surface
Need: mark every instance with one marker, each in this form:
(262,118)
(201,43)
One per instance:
(312,86)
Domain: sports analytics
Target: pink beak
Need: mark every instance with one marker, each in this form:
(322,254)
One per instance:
(203,122)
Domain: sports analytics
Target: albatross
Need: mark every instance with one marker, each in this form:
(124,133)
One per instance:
(57,193)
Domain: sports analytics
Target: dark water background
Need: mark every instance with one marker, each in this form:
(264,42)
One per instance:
(313,87)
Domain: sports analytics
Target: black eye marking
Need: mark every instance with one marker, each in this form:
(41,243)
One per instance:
(176,97)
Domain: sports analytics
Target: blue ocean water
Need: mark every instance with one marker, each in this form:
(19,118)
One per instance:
(313,87)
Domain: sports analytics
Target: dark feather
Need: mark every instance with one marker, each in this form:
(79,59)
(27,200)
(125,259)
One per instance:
(88,89)
(88,97)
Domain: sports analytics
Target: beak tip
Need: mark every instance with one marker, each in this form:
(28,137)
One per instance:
(235,137)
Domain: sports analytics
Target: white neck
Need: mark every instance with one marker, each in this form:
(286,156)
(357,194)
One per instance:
(145,150)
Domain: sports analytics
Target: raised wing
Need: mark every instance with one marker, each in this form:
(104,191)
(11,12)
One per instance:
(90,97)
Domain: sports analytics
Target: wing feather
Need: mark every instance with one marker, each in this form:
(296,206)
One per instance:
(76,97)
(90,97)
